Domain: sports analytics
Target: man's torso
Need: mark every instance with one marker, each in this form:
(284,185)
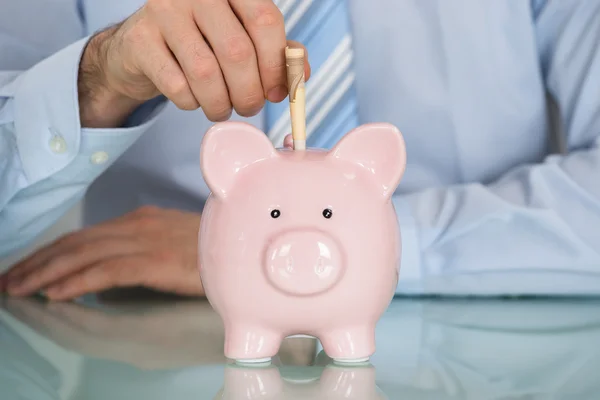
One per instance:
(460,79)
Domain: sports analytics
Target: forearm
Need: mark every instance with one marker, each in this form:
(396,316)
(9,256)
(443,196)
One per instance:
(47,159)
(535,231)
(100,106)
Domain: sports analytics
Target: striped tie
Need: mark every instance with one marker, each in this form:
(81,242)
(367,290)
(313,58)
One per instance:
(323,26)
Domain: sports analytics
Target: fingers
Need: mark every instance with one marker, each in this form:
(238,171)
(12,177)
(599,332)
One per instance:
(118,272)
(63,259)
(235,53)
(219,55)
(288,142)
(199,64)
(40,257)
(264,23)
(156,61)
(118,230)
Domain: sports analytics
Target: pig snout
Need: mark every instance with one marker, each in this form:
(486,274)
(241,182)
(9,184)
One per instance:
(304,262)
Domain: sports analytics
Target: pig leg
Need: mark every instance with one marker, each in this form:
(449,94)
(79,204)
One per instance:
(247,344)
(355,344)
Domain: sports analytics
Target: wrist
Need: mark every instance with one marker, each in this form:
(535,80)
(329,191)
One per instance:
(100,105)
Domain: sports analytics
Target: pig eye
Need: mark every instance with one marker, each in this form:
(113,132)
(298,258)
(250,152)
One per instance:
(327,213)
(275,213)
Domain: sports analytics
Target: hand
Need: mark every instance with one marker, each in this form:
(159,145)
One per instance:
(149,247)
(215,54)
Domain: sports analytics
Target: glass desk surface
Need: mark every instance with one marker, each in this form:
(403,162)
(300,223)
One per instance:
(170,349)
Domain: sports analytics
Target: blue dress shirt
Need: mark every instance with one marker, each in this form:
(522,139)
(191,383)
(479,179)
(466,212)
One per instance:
(492,202)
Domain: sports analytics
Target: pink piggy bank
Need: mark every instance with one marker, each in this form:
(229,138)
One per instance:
(300,242)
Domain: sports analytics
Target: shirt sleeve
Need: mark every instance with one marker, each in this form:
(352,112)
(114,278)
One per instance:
(47,160)
(536,230)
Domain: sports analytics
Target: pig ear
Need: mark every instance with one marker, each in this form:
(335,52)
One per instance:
(379,149)
(229,147)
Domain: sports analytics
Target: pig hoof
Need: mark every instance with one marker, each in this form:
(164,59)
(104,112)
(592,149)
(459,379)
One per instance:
(353,361)
(254,361)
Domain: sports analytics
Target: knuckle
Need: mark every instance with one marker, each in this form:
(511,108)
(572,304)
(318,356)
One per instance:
(205,71)
(175,85)
(238,49)
(267,15)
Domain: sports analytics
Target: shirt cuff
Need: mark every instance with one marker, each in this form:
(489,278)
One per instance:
(410,281)
(46,115)
(100,147)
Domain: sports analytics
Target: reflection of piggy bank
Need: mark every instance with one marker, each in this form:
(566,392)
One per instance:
(300,383)
(300,242)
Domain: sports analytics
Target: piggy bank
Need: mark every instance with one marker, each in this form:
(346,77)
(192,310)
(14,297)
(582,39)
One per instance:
(300,242)
(331,382)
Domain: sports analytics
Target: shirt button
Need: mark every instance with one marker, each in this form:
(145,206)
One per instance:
(58,144)
(99,157)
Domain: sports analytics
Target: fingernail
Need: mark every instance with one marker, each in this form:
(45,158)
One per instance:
(277,94)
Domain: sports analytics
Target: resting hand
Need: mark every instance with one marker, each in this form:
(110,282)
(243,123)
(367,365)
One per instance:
(150,247)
